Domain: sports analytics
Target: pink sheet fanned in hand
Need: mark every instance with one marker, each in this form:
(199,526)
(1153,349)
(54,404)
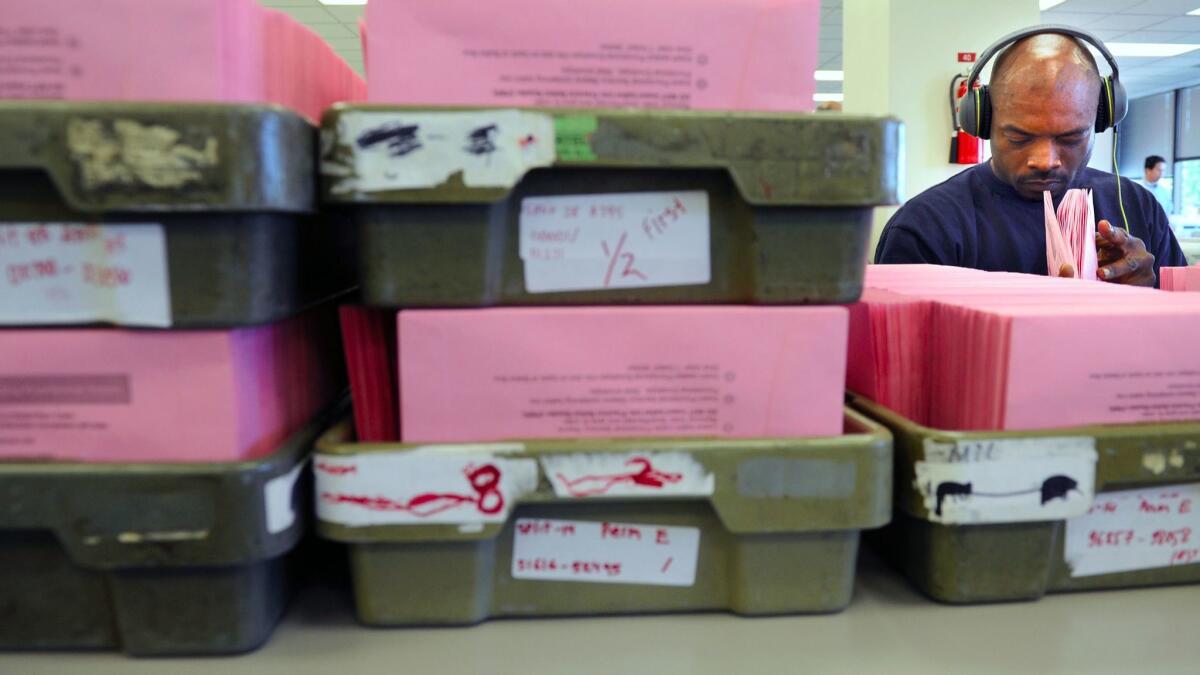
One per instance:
(1071,234)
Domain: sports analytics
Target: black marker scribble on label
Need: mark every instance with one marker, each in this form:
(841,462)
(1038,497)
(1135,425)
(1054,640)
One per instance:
(480,141)
(401,139)
(1054,487)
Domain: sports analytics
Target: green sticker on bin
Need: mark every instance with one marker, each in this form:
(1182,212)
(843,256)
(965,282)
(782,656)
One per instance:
(573,137)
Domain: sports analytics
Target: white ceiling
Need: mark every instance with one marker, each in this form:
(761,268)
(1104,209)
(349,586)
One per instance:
(1115,20)
(1140,21)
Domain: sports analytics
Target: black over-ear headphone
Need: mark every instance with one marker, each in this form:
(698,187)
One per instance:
(975,111)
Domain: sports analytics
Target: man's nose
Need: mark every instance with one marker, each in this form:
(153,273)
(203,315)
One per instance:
(1044,157)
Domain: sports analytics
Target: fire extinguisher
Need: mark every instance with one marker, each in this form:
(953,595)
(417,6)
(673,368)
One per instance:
(964,148)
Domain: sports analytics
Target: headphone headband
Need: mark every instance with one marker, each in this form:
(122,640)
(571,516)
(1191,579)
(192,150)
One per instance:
(1060,29)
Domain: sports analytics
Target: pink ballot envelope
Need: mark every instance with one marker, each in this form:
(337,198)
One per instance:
(703,54)
(113,395)
(496,374)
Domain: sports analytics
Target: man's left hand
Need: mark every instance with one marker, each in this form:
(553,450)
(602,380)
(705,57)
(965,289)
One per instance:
(1122,258)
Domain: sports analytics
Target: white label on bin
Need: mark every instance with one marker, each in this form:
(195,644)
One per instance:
(277,495)
(602,241)
(81,273)
(406,151)
(603,552)
(667,474)
(1136,530)
(1007,480)
(419,488)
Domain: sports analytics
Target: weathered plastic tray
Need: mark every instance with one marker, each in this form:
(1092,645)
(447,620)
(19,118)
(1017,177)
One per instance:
(431,541)
(438,197)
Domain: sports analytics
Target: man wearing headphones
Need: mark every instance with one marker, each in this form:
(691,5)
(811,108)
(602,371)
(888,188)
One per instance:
(1040,112)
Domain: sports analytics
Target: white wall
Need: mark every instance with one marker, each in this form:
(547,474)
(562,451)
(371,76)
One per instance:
(899,56)
(1102,153)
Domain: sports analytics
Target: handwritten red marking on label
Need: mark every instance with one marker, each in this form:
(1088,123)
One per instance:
(545,527)
(613,531)
(659,224)
(667,564)
(105,276)
(1100,538)
(114,244)
(485,480)
(38,235)
(79,233)
(1149,507)
(527,141)
(620,254)
(19,273)
(1171,538)
(1185,556)
(334,470)
(646,476)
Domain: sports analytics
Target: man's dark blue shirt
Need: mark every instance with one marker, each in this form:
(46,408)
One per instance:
(974,219)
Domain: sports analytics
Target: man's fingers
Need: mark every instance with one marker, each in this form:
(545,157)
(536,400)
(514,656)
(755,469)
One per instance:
(1119,269)
(1107,235)
(1066,270)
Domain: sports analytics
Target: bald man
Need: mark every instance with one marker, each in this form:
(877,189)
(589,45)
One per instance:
(1044,93)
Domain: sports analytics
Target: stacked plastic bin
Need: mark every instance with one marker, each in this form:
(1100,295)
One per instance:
(1145,486)
(151,468)
(168,338)
(468,208)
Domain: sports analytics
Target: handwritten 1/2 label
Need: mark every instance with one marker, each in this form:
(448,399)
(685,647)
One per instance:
(419,488)
(603,552)
(1007,480)
(1136,530)
(667,474)
(56,273)
(602,241)
(399,151)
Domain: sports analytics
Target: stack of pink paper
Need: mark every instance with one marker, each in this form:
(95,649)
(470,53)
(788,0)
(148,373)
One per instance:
(738,372)
(497,374)
(703,54)
(963,349)
(110,395)
(1071,235)
(168,50)
(1179,278)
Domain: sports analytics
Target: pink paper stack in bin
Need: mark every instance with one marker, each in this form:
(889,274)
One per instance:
(963,349)
(700,54)
(1179,278)
(168,50)
(596,372)
(116,395)
(121,395)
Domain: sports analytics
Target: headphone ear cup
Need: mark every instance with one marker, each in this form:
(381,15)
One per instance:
(1120,100)
(985,112)
(974,112)
(1108,114)
(1103,111)
(966,114)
